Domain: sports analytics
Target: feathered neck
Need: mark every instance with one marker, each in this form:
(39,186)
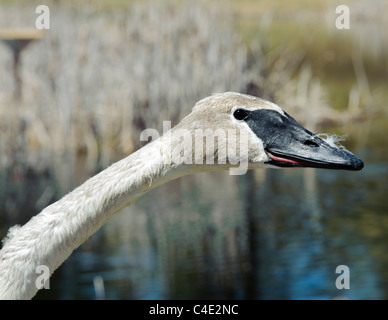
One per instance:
(51,236)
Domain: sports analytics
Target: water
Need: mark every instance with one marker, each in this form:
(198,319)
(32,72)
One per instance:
(271,234)
(274,234)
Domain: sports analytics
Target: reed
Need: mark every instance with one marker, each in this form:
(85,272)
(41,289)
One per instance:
(99,77)
(96,80)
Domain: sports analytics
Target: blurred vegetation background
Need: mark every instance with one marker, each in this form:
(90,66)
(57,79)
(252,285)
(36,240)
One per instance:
(106,70)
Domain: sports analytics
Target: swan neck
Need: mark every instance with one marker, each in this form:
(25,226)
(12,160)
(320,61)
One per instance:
(51,236)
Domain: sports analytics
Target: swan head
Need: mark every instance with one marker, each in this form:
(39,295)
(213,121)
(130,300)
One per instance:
(273,138)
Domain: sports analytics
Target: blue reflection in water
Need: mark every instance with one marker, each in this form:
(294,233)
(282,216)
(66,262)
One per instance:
(275,234)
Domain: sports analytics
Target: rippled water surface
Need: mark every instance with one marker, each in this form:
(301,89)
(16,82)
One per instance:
(270,234)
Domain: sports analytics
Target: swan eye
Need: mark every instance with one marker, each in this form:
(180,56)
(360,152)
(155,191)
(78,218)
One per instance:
(240,114)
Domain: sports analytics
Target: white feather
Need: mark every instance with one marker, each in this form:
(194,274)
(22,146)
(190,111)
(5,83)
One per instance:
(333,140)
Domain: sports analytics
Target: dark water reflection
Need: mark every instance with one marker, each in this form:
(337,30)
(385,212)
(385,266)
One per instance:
(274,234)
(270,234)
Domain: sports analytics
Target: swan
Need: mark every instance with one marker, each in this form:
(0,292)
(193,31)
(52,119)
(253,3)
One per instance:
(272,139)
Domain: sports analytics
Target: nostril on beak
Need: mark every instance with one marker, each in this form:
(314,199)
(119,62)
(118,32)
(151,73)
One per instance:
(310,143)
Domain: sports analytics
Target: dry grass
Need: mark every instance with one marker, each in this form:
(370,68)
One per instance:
(96,80)
(99,77)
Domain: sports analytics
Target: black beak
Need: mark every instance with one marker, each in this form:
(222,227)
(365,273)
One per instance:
(288,144)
